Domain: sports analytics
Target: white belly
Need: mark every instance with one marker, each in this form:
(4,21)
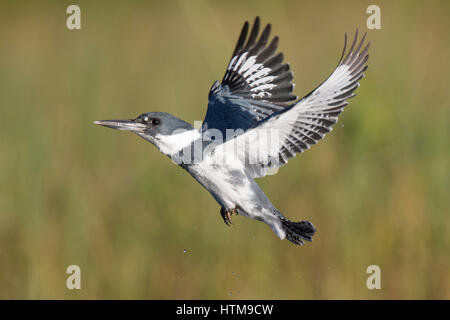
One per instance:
(231,187)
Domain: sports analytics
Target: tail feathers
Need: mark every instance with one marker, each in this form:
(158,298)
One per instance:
(296,232)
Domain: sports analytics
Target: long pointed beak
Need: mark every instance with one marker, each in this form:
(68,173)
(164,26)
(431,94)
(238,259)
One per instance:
(127,125)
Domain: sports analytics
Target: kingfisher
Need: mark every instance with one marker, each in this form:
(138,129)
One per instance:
(253,125)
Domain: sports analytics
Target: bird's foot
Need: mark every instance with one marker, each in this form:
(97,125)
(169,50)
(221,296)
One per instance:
(226,215)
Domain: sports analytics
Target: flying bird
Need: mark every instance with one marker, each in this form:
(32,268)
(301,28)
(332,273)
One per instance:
(253,124)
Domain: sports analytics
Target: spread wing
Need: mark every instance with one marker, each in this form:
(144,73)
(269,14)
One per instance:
(256,84)
(294,129)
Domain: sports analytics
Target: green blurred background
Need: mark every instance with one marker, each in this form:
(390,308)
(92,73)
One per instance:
(377,188)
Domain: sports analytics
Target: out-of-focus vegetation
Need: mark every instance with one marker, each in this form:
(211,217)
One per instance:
(377,187)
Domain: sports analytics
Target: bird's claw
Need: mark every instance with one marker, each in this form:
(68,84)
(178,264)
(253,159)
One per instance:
(226,215)
(228,218)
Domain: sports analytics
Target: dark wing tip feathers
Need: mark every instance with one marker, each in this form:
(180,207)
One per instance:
(322,109)
(356,61)
(355,57)
(265,54)
(242,38)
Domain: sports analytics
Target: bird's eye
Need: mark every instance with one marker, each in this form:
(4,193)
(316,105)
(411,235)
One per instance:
(155,122)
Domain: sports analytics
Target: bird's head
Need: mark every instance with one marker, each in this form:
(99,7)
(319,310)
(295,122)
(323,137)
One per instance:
(152,126)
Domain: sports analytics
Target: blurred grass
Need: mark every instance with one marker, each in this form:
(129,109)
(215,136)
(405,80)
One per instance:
(72,193)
